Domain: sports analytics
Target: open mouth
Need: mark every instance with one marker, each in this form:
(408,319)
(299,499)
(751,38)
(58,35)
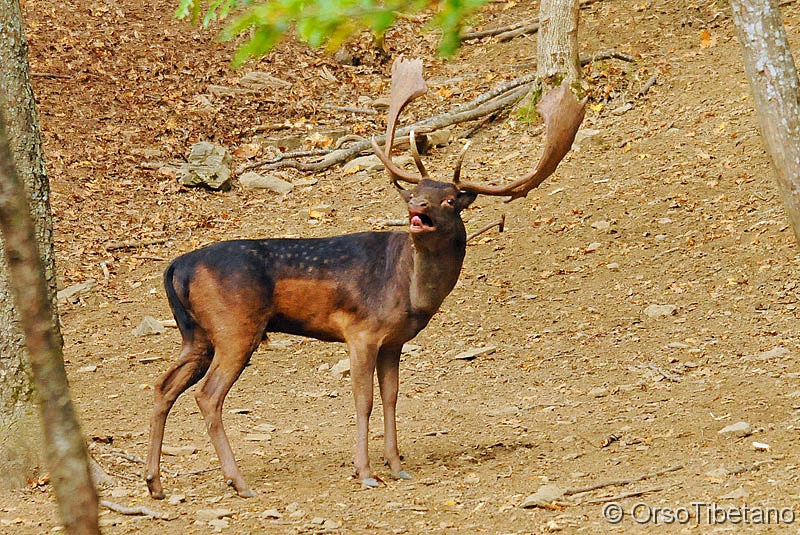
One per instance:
(420,222)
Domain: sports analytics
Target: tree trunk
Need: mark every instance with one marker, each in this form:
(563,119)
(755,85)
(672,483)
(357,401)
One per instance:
(770,69)
(557,49)
(30,339)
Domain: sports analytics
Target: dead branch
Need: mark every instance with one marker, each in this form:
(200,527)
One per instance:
(133,244)
(138,510)
(484,105)
(622,496)
(620,482)
(611,53)
(500,224)
(506,33)
(648,85)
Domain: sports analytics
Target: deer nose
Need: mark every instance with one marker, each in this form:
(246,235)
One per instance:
(418,203)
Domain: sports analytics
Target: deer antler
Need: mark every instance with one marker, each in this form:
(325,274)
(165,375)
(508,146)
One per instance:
(563,115)
(407,84)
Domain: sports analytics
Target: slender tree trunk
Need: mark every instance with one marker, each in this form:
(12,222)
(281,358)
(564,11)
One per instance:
(770,69)
(557,48)
(66,452)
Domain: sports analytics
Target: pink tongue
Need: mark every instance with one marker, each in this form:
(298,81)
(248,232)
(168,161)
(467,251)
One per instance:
(416,221)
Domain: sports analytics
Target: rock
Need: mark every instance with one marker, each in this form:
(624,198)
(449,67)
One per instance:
(760,446)
(218,524)
(271,513)
(258,437)
(601,225)
(330,525)
(208,166)
(587,137)
(87,369)
(72,293)
(253,180)
(148,327)
(177,451)
(657,311)
(613,266)
(778,351)
(592,247)
(341,369)
(737,494)
(258,80)
(598,392)
(264,428)
(176,499)
(718,474)
(205,515)
(369,164)
(738,430)
(471,354)
(543,497)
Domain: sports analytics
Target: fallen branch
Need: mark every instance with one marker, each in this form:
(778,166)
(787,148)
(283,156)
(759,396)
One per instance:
(349,109)
(622,496)
(133,244)
(611,53)
(620,482)
(505,33)
(138,510)
(500,224)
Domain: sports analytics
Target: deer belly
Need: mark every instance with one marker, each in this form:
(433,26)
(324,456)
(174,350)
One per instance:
(313,308)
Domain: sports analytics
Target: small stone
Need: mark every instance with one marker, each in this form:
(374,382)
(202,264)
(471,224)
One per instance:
(760,446)
(176,499)
(657,311)
(271,513)
(258,437)
(738,430)
(592,247)
(254,180)
(148,327)
(341,369)
(601,225)
(543,497)
(218,524)
(331,524)
(88,369)
(72,293)
(613,266)
(598,392)
(587,137)
(317,520)
(206,515)
(264,428)
(119,492)
(177,451)
(778,351)
(737,494)
(718,474)
(472,354)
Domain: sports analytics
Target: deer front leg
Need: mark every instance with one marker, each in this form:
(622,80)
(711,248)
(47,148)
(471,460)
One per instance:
(389,381)
(362,367)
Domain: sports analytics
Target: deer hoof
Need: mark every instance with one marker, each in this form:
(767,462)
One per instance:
(402,474)
(246,493)
(370,482)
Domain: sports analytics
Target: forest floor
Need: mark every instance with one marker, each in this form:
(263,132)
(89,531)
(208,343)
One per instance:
(672,203)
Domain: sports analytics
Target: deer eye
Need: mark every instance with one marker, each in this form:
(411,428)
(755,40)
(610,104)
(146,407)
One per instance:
(449,202)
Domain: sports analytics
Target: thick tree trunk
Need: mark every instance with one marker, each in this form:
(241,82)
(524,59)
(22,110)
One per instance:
(557,49)
(30,339)
(20,433)
(772,74)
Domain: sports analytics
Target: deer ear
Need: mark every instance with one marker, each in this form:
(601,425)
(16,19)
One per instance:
(404,193)
(464,199)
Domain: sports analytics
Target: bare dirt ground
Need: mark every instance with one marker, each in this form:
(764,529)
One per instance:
(673,204)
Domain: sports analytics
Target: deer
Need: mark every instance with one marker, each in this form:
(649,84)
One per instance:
(372,290)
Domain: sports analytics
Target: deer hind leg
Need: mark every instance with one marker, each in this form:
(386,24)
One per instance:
(229,361)
(389,381)
(194,360)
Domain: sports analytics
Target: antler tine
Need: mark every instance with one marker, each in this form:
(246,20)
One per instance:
(407,84)
(412,141)
(563,115)
(459,162)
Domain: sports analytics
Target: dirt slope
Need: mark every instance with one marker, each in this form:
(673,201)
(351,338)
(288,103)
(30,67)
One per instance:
(673,203)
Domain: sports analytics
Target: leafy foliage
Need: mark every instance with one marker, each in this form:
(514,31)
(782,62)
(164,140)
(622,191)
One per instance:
(320,23)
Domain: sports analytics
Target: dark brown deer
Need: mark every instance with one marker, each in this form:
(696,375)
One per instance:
(373,290)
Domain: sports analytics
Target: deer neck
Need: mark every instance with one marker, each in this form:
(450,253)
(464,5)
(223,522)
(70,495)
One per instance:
(435,273)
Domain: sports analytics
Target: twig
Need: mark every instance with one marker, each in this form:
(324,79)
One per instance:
(133,244)
(648,85)
(668,376)
(51,75)
(622,496)
(138,510)
(621,482)
(505,33)
(349,109)
(750,468)
(611,53)
(500,224)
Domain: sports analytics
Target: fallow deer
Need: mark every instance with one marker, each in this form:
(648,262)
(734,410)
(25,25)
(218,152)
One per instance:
(372,290)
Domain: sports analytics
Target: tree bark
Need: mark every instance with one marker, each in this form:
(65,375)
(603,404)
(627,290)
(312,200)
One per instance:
(557,48)
(771,72)
(30,339)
